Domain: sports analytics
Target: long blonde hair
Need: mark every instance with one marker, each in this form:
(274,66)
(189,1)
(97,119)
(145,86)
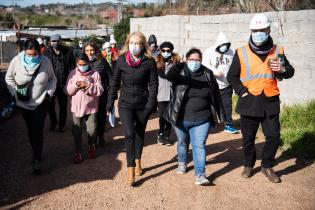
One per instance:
(146,50)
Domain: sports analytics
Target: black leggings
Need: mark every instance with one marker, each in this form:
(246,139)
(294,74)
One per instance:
(62,101)
(134,123)
(165,126)
(35,120)
(101,115)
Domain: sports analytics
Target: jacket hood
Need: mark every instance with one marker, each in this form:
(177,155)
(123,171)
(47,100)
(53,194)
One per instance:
(221,39)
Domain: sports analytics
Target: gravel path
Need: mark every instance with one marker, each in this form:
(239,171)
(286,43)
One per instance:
(101,183)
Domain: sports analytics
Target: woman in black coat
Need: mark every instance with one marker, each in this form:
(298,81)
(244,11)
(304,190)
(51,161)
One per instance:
(99,64)
(135,70)
(194,108)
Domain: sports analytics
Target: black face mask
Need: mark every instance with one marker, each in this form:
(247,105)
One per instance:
(56,45)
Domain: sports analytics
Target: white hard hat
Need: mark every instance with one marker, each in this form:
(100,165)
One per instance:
(259,21)
(113,41)
(106,45)
(40,41)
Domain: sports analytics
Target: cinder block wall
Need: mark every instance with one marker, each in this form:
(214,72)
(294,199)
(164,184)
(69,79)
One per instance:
(294,30)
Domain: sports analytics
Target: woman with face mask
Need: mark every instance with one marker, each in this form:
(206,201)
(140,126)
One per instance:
(165,60)
(31,68)
(84,86)
(99,64)
(135,71)
(108,54)
(193,109)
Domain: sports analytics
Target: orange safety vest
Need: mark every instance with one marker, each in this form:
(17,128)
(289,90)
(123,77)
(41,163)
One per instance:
(256,74)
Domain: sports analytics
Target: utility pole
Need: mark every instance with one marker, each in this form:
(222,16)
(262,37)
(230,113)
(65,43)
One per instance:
(120,9)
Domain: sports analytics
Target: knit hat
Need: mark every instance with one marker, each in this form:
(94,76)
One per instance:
(152,40)
(167,45)
(55,37)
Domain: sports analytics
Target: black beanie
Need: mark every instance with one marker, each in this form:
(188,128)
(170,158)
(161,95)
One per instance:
(167,45)
(152,40)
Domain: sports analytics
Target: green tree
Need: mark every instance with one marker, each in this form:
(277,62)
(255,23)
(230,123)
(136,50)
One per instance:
(121,30)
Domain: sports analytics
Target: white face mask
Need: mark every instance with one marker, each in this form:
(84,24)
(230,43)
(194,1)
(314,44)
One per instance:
(135,49)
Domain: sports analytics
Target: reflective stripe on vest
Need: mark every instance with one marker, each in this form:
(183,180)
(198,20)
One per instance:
(256,74)
(248,76)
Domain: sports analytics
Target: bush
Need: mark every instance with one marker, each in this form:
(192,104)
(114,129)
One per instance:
(298,130)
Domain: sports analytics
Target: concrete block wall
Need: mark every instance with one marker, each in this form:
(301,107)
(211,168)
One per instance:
(294,30)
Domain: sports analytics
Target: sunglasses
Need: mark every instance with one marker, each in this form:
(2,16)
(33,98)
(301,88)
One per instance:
(162,50)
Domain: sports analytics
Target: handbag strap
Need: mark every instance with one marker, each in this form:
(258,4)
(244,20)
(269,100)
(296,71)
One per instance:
(34,76)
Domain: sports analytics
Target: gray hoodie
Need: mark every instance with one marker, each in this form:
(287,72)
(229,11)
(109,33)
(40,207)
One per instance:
(218,62)
(45,81)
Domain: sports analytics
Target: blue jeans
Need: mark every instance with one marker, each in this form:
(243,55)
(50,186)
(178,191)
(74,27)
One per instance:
(196,133)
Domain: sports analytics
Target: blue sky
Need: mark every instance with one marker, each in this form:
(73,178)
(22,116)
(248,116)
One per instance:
(24,3)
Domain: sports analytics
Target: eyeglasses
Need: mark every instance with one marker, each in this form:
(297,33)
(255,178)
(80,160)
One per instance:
(162,50)
(193,59)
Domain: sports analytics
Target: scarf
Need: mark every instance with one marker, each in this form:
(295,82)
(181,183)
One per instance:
(131,61)
(265,49)
(30,66)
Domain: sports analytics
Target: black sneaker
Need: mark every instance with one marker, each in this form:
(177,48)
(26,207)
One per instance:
(167,141)
(160,139)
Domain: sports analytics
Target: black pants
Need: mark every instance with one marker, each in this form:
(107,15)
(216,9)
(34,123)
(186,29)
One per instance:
(134,123)
(35,120)
(165,126)
(271,129)
(101,115)
(62,101)
(226,95)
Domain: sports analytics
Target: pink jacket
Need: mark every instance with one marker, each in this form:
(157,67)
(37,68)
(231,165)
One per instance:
(84,102)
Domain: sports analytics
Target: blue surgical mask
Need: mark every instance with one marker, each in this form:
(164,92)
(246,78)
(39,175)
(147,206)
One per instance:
(259,37)
(166,54)
(223,48)
(84,68)
(135,49)
(193,65)
(32,59)
(30,62)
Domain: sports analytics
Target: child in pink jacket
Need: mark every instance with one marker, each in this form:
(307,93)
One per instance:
(84,87)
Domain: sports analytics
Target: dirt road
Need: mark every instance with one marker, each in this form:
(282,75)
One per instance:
(100,183)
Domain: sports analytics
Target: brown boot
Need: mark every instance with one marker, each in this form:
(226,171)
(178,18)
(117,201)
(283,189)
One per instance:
(138,169)
(131,175)
(270,174)
(247,172)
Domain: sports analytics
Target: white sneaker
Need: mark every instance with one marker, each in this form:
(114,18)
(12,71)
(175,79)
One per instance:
(182,168)
(202,180)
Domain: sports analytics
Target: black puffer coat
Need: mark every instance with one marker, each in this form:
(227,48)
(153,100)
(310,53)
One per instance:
(180,77)
(139,85)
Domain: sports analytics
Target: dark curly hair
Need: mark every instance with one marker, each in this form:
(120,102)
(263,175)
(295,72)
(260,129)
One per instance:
(193,51)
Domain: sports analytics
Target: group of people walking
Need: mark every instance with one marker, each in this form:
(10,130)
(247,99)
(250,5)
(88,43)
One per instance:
(190,92)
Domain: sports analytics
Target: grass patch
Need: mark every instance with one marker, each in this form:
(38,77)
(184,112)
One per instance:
(298,130)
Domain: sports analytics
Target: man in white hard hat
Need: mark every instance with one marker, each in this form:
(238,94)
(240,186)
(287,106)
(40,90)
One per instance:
(254,72)
(113,44)
(108,54)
